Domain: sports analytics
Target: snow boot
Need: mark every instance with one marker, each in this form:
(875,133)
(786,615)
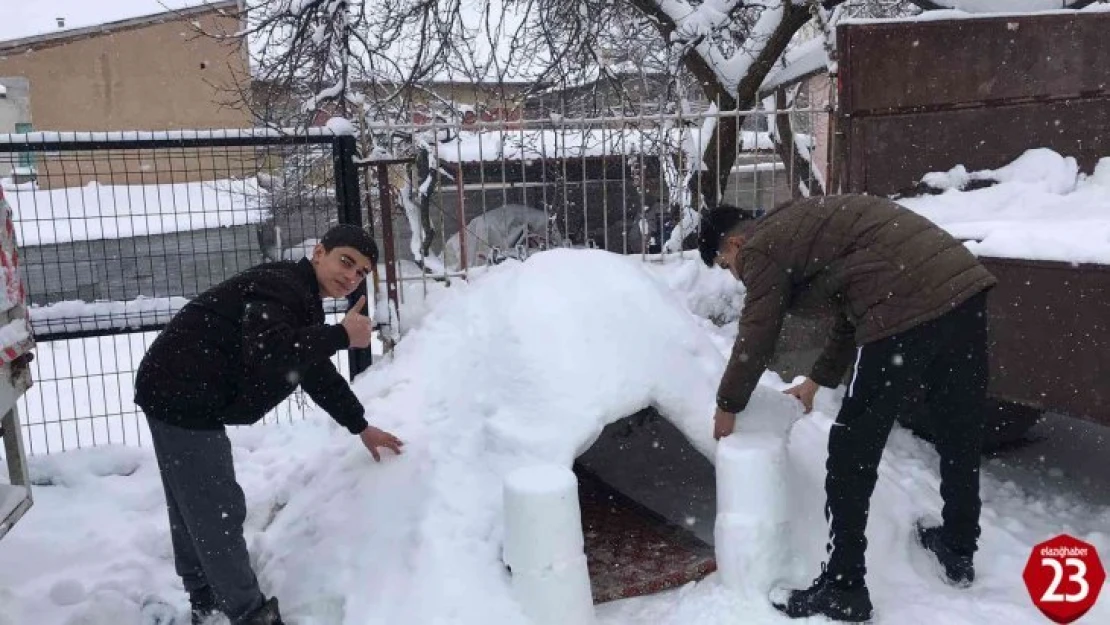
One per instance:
(202,605)
(828,598)
(267,614)
(958,568)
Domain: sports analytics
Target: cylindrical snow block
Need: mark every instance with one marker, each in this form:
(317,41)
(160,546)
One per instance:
(556,596)
(751,533)
(543,521)
(752,477)
(751,556)
(544,546)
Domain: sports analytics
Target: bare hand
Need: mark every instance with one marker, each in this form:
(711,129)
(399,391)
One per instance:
(804,392)
(358,326)
(373,438)
(723,423)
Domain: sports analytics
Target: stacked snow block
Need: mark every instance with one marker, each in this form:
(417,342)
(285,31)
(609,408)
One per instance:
(752,527)
(544,547)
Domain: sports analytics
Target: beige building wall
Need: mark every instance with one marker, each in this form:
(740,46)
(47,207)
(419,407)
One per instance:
(158,76)
(155,76)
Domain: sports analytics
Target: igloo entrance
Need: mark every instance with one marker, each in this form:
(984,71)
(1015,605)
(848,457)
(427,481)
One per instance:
(648,501)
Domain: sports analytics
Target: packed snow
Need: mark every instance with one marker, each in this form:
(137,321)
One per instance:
(522,365)
(1041,207)
(105,211)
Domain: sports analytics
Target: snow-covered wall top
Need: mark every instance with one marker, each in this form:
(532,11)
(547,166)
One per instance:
(29,19)
(1042,207)
(974,9)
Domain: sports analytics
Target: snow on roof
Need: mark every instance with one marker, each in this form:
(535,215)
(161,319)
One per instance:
(1042,208)
(22,18)
(807,58)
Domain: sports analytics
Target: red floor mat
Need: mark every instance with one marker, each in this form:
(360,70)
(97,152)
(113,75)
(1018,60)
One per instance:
(630,550)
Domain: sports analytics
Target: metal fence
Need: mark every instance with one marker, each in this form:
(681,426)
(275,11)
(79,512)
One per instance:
(479,194)
(118,230)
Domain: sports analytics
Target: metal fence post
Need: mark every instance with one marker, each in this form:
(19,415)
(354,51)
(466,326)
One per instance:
(344,152)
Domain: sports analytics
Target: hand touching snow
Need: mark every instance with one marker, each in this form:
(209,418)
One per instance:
(373,438)
(805,391)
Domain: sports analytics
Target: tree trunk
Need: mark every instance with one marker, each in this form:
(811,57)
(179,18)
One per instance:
(720,151)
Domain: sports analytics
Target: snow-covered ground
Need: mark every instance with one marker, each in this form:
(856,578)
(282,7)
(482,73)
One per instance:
(525,363)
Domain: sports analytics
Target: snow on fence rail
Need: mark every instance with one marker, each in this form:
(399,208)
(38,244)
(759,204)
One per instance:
(105,211)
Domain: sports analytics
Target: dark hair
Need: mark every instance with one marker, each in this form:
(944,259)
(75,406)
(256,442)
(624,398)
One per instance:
(715,224)
(346,235)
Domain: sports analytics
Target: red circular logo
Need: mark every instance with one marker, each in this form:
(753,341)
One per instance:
(1064,576)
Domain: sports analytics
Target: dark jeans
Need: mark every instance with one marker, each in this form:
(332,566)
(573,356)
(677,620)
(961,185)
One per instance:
(207,509)
(944,363)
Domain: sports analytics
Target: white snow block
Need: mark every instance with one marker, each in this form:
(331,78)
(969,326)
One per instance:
(751,532)
(543,520)
(752,477)
(544,546)
(751,556)
(556,596)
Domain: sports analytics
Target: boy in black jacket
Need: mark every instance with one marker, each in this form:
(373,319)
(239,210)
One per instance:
(227,358)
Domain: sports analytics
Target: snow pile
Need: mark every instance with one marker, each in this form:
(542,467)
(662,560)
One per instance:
(1041,207)
(526,366)
(98,211)
(708,293)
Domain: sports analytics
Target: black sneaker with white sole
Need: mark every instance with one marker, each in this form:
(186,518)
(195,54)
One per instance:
(958,568)
(851,604)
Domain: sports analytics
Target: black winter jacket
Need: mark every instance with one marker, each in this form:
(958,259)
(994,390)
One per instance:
(239,349)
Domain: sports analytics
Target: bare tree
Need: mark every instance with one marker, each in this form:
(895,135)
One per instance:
(377,59)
